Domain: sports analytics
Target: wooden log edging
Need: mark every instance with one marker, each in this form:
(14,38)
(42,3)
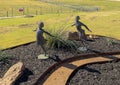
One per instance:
(51,69)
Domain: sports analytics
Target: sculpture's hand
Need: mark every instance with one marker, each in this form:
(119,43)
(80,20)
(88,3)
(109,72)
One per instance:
(90,31)
(34,30)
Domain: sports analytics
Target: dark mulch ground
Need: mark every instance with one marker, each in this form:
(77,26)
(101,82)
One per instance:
(97,74)
(35,67)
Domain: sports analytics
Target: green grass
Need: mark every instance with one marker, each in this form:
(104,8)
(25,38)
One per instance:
(16,31)
(36,7)
(31,7)
(104,5)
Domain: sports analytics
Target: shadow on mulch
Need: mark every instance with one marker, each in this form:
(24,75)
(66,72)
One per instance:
(24,77)
(90,69)
(107,56)
(56,58)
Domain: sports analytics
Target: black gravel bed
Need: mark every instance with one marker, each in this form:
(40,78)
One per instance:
(97,74)
(35,67)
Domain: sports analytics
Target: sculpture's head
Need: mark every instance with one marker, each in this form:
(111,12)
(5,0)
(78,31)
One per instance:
(41,24)
(77,18)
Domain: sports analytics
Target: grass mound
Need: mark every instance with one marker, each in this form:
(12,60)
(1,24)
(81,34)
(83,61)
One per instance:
(60,41)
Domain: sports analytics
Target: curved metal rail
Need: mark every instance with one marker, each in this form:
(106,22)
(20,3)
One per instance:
(51,69)
(19,45)
(35,41)
(75,70)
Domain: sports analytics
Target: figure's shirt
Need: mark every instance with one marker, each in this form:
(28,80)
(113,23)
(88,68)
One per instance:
(40,34)
(78,26)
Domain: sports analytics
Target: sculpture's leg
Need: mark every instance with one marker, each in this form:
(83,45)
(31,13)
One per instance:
(43,48)
(43,56)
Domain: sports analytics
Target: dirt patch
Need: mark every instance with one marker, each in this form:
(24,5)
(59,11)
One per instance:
(26,25)
(34,67)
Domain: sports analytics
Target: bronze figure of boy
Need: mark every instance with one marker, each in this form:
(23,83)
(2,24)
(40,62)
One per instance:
(40,38)
(81,32)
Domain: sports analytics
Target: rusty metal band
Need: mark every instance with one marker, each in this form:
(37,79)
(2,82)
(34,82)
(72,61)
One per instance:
(74,72)
(52,68)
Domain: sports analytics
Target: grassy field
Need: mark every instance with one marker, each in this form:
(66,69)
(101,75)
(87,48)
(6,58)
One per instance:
(103,5)
(31,7)
(16,31)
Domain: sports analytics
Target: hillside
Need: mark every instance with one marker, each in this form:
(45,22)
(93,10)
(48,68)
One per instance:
(56,14)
